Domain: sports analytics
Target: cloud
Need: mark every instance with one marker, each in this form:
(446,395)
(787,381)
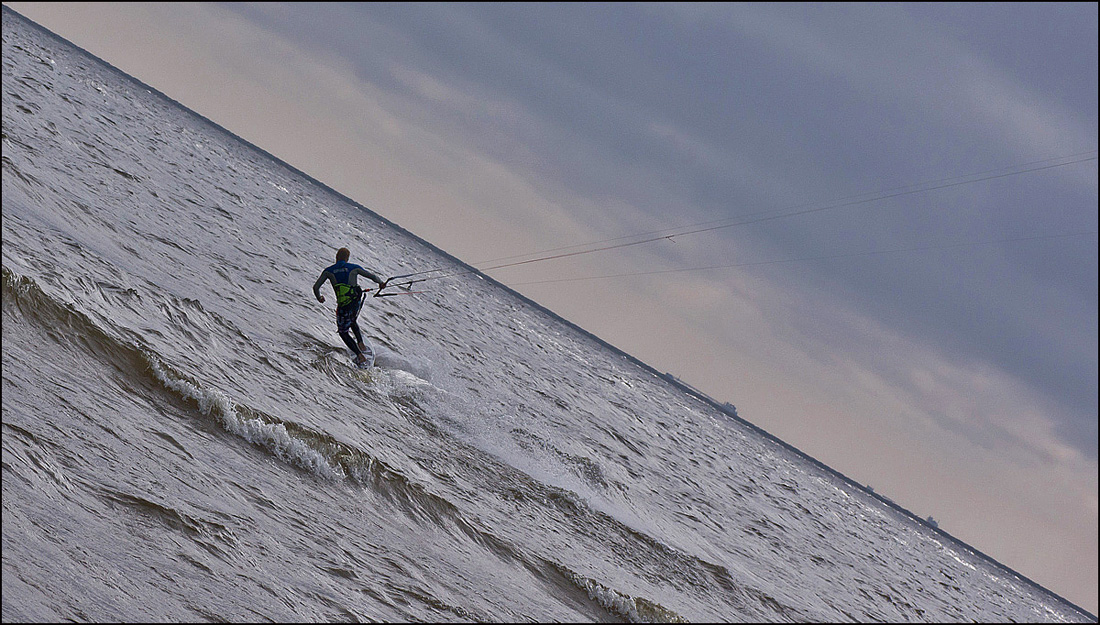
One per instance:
(900,60)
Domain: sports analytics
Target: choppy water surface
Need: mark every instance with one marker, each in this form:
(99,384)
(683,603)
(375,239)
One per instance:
(184,437)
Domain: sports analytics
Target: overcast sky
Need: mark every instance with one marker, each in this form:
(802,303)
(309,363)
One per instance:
(907,287)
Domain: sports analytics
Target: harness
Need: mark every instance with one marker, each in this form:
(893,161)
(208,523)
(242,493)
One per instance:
(346,294)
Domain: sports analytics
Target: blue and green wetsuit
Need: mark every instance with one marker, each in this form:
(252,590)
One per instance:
(343,276)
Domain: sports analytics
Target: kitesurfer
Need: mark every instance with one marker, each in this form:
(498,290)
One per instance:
(349,299)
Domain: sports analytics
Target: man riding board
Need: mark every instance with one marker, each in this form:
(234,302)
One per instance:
(349,299)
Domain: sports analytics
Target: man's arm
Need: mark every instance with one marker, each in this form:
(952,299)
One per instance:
(317,286)
(369,275)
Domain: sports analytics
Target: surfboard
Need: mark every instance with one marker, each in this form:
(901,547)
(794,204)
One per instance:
(369,353)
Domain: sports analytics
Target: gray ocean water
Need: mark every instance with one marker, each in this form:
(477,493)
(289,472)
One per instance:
(184,437)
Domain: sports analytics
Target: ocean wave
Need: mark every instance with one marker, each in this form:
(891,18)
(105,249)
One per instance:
(317,452)
(633,609)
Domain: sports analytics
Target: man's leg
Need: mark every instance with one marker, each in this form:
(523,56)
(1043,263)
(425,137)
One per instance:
(345,321)
(358,335)
(364,347)
(351,343)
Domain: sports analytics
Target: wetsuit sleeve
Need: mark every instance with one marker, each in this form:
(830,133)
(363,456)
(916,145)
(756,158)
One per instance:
(369,275)
(317,285)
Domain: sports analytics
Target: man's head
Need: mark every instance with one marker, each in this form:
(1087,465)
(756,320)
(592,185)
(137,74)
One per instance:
(343,254)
